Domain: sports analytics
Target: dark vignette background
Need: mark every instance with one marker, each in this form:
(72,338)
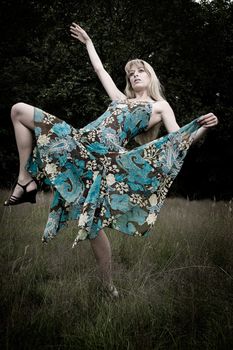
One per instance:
(189,45)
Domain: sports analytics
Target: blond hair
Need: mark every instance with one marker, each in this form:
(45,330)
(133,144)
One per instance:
(154,91)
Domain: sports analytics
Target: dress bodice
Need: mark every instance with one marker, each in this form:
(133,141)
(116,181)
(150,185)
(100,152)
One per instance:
(122,121)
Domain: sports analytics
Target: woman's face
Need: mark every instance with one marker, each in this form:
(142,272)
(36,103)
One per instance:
(139,78)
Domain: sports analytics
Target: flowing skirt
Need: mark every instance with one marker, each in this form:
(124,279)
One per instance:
(123,190)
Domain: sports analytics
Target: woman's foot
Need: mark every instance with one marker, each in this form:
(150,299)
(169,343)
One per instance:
(24,191)
(111,291)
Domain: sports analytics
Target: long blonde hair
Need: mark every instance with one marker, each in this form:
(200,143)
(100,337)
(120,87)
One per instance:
(154,91)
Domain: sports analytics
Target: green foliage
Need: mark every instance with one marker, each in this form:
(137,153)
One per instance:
(188,43)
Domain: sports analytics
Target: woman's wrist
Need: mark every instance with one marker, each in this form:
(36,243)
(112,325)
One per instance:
(88,42)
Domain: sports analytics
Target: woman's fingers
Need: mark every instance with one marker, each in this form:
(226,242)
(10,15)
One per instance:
(79,33)
(208,120)
(74,36)
(73,30)
(77,30)
(76,26)
(203,118)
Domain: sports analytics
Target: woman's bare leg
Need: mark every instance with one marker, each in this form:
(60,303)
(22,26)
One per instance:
(102,251)
(22,116)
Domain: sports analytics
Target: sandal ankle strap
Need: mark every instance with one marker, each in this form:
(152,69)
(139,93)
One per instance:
(25,186)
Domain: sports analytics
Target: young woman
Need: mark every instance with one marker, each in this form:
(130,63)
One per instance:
(96,181)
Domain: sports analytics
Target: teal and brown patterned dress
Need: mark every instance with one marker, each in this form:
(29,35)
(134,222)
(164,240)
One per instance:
(96,180)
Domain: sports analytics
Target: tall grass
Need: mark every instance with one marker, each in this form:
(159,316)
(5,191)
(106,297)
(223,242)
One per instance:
(176,286)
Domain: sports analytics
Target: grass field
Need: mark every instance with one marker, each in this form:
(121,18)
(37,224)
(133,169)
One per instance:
(176,286)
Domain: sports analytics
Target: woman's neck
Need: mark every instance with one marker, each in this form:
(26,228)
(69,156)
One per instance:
(141,96)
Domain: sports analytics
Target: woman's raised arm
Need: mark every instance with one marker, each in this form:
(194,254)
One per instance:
(113,92)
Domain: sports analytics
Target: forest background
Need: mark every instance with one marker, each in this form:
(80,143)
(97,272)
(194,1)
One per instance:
(188,43)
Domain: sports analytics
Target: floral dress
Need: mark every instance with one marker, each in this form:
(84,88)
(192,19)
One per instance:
(96,180)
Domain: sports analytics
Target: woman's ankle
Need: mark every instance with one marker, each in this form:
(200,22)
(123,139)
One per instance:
(111,290)
(24,178)
(29,181)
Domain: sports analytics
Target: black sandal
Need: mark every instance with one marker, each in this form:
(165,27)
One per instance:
(25,197)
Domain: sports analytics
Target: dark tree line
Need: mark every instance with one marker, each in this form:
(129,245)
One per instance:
(188,43)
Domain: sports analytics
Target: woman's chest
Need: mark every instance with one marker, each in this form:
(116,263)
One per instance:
(156,116)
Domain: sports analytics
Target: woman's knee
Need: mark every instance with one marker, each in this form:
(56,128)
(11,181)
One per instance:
(18,109)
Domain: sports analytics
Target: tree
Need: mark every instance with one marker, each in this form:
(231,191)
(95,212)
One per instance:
(188,43)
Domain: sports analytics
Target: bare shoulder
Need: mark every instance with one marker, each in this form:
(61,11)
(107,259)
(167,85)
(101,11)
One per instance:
(161,105)
(159,110)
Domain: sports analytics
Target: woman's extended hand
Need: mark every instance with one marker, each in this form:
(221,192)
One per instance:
(208,120)
(78,33)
